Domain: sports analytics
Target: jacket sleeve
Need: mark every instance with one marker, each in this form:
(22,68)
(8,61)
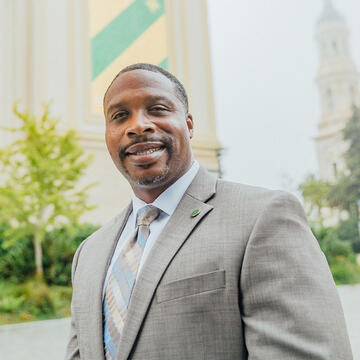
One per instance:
(73,352)
(290,305)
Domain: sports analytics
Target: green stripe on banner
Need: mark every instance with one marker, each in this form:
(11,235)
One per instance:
(165,63)
(120,33)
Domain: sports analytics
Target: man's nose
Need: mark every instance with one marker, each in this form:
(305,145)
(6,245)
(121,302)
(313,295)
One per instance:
(139,124)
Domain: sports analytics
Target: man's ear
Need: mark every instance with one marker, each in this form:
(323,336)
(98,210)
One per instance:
(190,124)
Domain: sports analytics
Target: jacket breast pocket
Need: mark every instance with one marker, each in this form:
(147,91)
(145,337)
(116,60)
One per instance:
(191,286)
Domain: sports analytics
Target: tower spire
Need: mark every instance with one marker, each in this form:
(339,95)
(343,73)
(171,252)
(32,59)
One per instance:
(328,5)
(330,13)
(339,89)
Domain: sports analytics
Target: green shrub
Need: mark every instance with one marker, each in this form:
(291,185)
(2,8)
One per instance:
(339,254)
(31,297)
(38,299)
(59,248)
(336,249)
(348,231)
(17,262)
(33,300)
(11,303)
(344,272)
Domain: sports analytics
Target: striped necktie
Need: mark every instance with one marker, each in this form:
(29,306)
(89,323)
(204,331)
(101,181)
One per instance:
(122,280)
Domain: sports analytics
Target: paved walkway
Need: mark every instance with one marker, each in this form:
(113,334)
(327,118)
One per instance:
(44,340)
(350,298)
(38,340)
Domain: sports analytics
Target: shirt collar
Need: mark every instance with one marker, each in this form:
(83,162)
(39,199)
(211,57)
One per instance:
(168,200)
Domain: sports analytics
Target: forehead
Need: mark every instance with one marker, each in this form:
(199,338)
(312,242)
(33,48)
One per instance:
(140,82)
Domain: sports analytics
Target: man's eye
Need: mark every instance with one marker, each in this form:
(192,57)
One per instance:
(119,115)
(158,108)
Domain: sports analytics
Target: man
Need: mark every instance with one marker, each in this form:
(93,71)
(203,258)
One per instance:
(217,271)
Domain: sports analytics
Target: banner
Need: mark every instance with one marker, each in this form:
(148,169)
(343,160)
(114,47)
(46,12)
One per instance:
(124,32)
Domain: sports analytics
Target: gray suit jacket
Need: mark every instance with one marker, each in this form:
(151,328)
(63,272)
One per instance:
(245,279)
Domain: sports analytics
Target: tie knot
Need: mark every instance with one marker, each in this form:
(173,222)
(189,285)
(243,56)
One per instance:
(147,215)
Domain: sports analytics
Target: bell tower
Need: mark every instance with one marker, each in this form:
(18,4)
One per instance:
(337,79)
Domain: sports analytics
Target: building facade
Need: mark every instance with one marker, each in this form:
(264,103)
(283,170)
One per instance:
(67,52)
(338,83)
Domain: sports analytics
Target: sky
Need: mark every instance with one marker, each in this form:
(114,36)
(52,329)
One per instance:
(264,62)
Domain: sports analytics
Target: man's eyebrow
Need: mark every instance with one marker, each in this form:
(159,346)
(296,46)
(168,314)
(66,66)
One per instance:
(160,98)
(150,99)
(114,107)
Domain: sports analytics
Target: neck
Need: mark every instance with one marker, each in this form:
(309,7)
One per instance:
(148,196)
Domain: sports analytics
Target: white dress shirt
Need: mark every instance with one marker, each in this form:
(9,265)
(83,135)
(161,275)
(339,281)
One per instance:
(167,203)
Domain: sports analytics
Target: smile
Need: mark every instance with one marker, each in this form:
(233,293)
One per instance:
(145,153)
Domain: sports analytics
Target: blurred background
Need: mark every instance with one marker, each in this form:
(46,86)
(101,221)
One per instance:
(274,91)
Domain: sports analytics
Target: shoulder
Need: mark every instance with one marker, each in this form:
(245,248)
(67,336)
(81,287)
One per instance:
(253,197)
(250,204)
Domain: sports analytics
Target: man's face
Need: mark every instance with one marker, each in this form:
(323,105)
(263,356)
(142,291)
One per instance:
(147,129)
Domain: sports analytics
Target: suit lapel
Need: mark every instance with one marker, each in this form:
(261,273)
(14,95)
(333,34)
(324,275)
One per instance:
(108,237)
(175,233)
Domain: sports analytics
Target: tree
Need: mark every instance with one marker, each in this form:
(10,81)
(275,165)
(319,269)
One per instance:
(346,191)
(315,193)
(39,182)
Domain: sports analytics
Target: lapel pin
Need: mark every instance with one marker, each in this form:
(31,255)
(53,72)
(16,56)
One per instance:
(195,213)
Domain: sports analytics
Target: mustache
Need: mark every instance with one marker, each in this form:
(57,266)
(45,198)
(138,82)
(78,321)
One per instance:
(165,140)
